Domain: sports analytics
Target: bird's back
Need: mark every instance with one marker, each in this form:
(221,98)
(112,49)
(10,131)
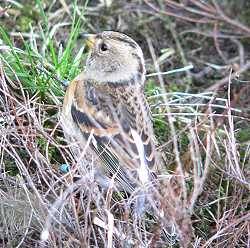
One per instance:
(118,117)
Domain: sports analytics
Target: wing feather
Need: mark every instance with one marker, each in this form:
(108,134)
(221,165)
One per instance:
(112,113)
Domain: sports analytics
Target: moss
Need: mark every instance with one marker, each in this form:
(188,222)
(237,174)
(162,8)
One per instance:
(10,167)
(42,144)
(243,135)
(184,141)
(178,87)
(160,129)
(24,23)
(159,122)
(152,89)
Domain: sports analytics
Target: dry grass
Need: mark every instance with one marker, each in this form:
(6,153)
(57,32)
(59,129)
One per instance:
(203,186)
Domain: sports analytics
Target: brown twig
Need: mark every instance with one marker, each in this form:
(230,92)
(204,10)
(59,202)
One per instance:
(201,14)
(203,5)
(244,218)
(223,81)
(216,42)
(229,20)
(169,13)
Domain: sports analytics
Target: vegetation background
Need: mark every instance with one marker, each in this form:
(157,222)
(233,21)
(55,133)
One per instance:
(201,120)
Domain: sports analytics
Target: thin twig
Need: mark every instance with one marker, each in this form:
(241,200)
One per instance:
(223,81)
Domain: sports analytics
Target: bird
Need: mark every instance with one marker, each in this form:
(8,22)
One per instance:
(106,106)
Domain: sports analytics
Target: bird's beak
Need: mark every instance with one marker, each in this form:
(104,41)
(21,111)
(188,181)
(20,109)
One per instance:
(89,40)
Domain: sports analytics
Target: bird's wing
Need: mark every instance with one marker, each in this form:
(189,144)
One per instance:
(118,118)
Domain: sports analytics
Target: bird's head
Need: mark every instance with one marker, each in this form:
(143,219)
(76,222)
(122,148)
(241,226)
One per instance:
(114,57)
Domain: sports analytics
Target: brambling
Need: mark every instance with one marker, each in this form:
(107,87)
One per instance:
(106,103)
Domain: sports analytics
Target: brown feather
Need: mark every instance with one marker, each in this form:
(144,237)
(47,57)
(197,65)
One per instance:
(112,112)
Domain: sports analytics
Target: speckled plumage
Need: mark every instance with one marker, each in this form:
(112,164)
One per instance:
(114,110)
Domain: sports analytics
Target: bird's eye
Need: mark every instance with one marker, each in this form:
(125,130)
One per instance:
(103,47)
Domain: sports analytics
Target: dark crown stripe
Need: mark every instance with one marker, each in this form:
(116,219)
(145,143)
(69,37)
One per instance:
(126,40)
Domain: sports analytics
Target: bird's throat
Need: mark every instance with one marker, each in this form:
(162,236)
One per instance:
(116,78)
